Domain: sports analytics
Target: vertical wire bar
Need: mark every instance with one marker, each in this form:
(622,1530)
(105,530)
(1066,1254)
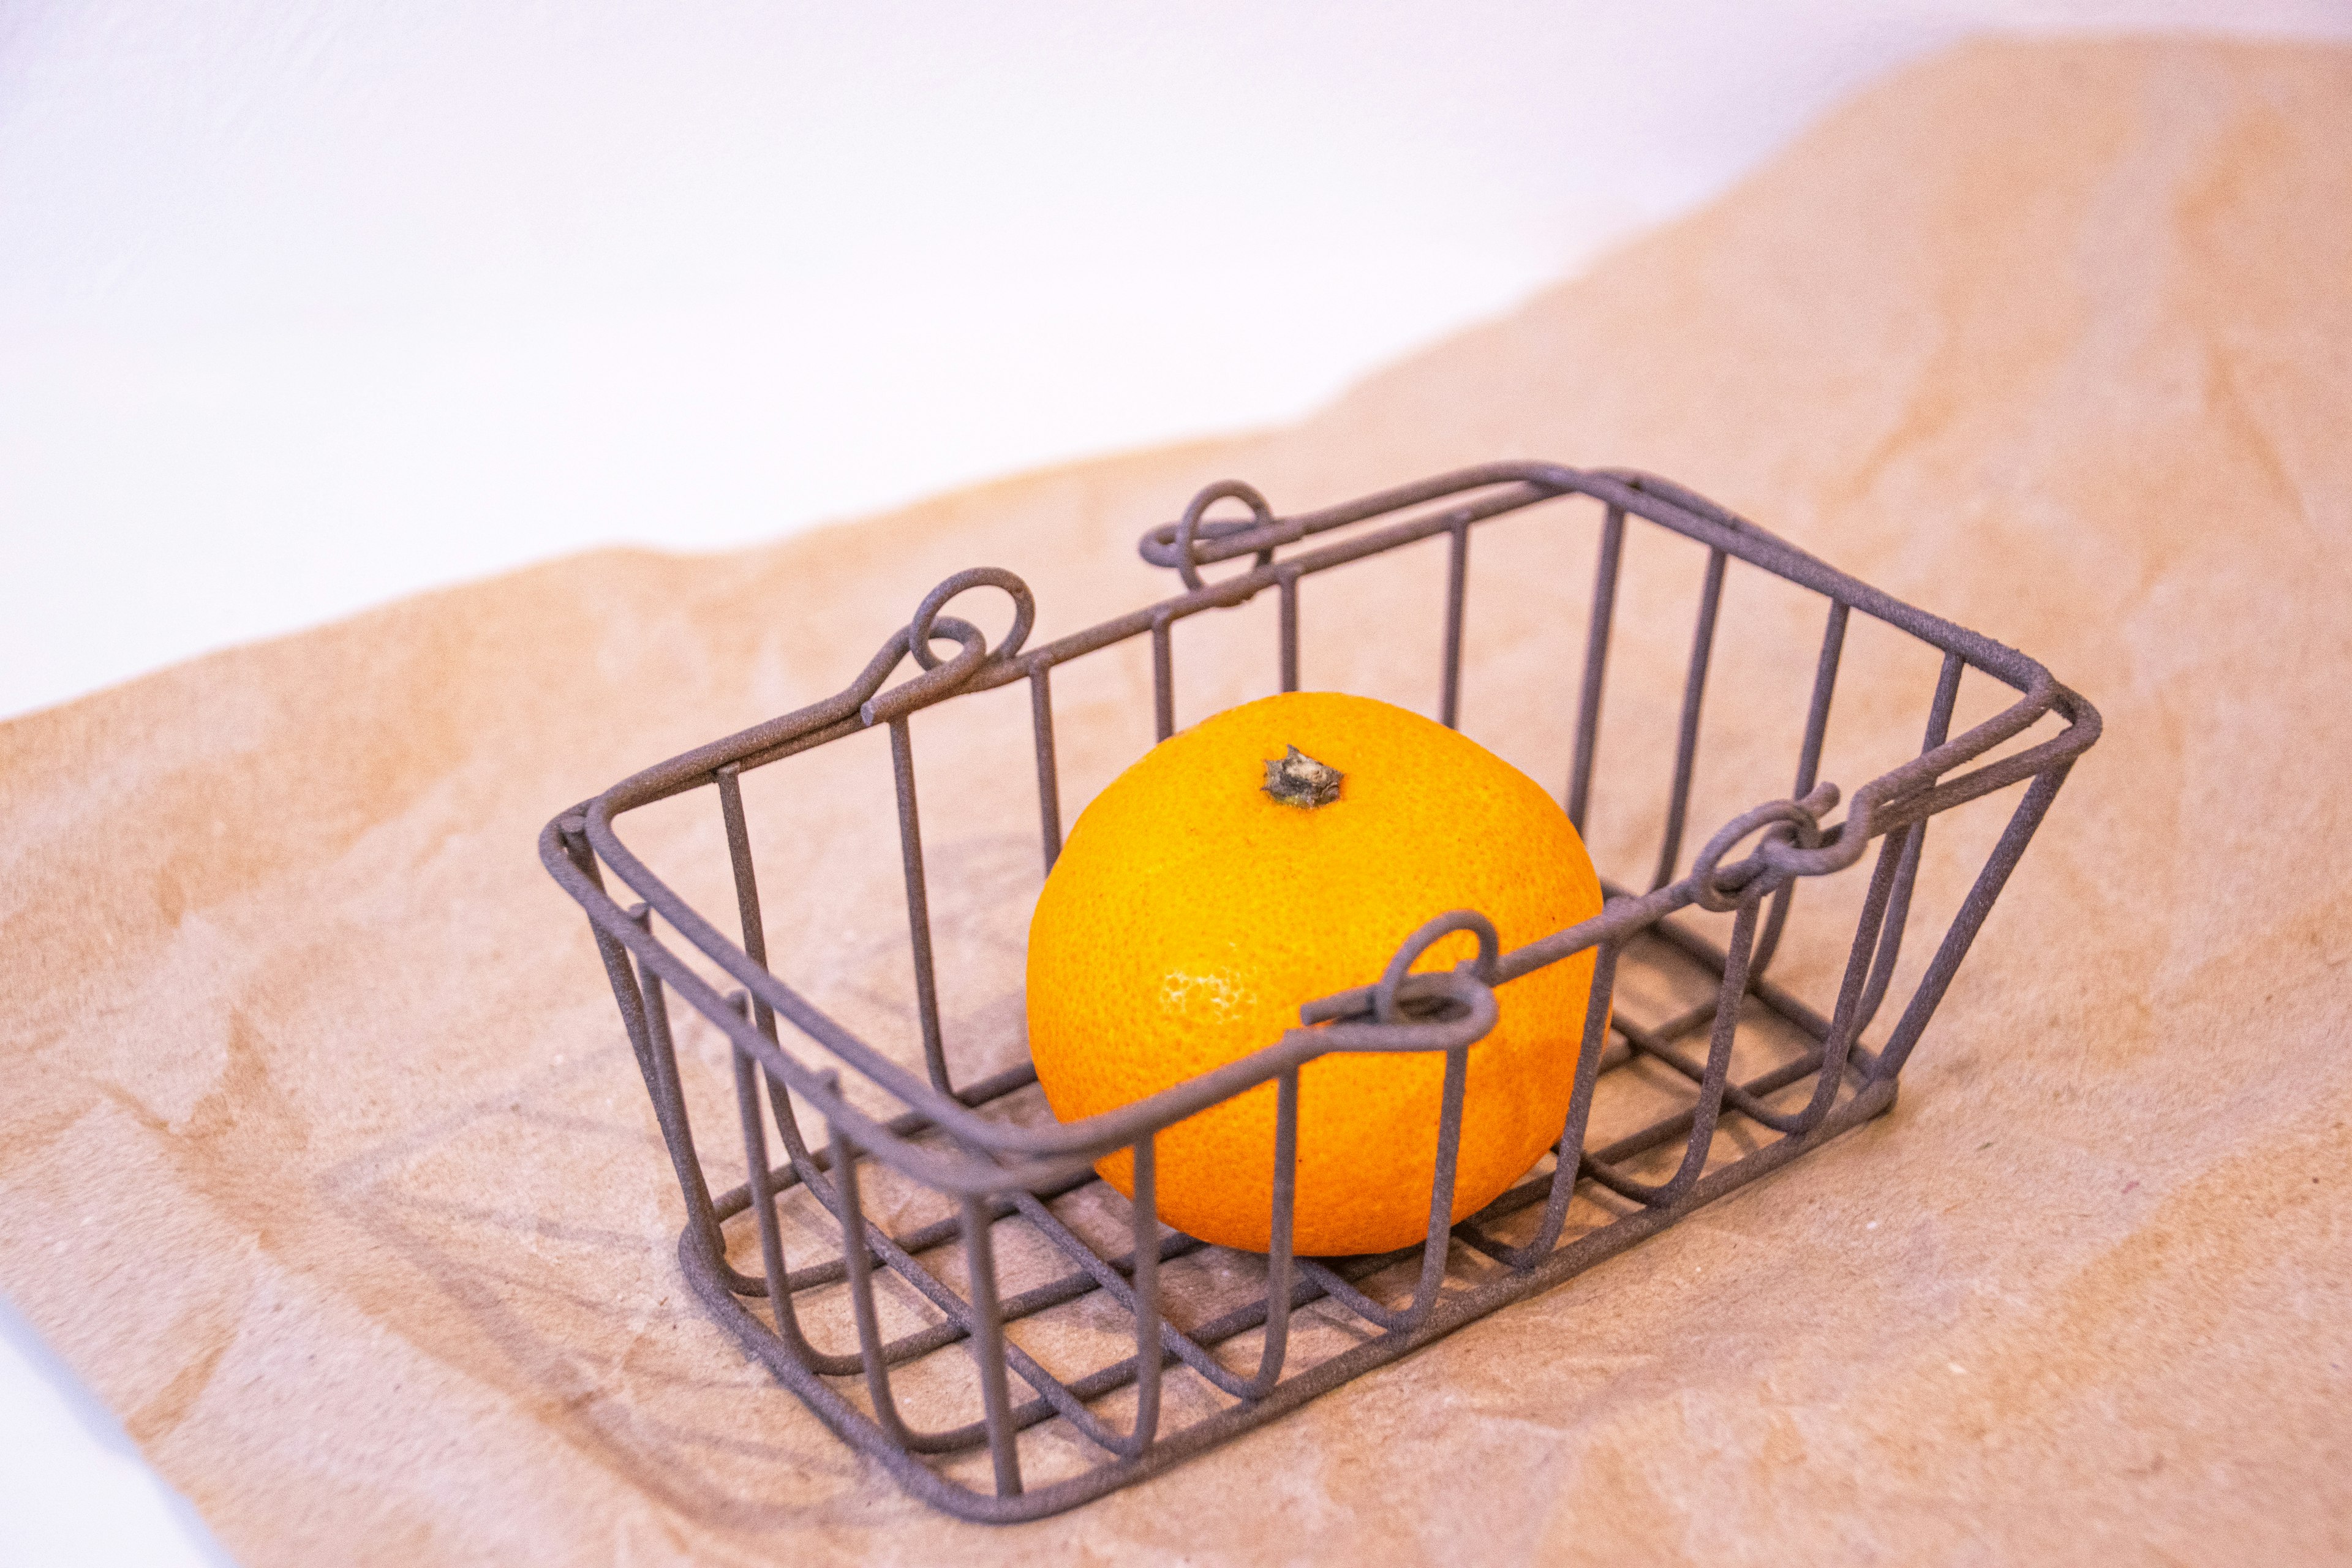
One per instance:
(1817,717)
(669,1107)
(1290,631)
(755,948)
(1569,1152)
(1148,1354)
(1596,660)
(988,1348)
(919,904)
(763,1201)
(1278,1249)
(1163,679)
(1709,1109)
(1694,693)
(1440,1240)
(1737,970)
(860,1269)
(636,1015)
(1440,1189)
(1837,1045)
(1809,763)
(1971,918)
(747,884)
(1279,1253)
(1457,582)
(1890,942)
(1947,696)
(618,968)
(1049,773)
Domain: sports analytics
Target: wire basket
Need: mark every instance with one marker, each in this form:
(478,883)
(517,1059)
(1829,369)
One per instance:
(1074,1344)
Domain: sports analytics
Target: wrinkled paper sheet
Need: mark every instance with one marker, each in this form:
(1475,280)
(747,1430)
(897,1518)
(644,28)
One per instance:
(325,1163)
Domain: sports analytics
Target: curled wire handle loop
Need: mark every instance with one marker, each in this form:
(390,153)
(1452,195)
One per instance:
(1722,888)
(924,627)
(1189,529)
(1385,995)
(1473,1004)
(934,684)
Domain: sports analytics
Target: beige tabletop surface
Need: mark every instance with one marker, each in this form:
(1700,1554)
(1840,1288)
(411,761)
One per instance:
(323,1160)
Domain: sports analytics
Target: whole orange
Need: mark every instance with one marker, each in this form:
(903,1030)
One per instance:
(1192,911)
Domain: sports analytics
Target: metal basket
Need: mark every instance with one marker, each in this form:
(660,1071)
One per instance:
(1167,1347)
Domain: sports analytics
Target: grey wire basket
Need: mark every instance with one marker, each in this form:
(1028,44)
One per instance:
(1175,1346)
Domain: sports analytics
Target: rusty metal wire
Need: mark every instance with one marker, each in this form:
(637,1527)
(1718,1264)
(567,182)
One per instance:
(989,1171)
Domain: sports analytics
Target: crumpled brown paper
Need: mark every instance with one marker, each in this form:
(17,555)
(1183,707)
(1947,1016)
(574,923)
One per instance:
(325,1162)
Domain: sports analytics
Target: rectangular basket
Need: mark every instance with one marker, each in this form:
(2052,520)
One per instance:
(1162,1347)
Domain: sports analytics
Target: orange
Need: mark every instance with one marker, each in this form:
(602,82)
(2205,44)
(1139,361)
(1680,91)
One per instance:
(1192,912)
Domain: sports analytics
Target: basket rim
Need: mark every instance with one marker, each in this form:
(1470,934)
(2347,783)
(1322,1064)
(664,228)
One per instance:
(997,1157)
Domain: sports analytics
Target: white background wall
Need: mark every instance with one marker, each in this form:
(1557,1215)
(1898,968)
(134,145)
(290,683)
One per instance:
(304,305)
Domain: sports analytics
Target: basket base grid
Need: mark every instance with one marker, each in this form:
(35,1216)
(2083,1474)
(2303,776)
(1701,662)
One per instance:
(1051,1251)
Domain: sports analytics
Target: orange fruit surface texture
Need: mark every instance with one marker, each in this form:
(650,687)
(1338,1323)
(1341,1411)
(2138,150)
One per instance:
(1191,913)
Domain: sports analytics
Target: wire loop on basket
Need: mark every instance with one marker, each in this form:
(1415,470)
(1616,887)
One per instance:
(897,702)
(1723,889)
(942,677)
(1191,526)
(920,630)
(1386,995)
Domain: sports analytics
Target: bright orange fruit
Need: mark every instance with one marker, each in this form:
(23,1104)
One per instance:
(1192,912)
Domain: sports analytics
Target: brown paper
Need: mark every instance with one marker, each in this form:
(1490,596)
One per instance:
(325,1163)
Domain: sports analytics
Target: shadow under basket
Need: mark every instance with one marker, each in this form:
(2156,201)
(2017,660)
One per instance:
(911,1243)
